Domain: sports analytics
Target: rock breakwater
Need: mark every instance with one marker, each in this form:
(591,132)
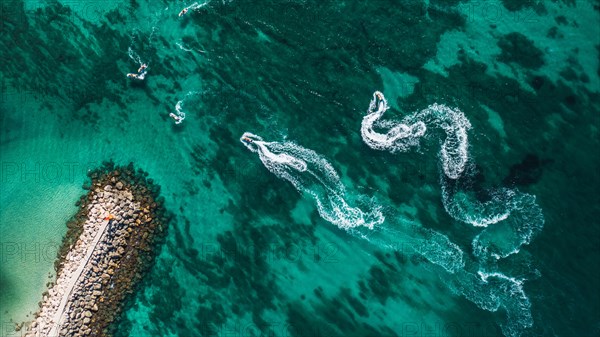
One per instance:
(109,245)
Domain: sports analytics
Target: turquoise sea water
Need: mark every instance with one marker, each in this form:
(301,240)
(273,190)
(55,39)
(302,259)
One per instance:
(260,248)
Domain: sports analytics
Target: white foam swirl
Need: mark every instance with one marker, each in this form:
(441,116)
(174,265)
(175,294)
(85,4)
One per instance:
(510,218)
(455,149)
(402,136)
(398,138)
(179,114)
(494,290)
(507,236)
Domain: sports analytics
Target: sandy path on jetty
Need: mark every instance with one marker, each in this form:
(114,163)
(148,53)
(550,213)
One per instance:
(53,316)
(74,278)
(100,268)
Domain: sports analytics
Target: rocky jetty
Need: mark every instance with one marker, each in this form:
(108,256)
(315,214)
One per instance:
(109,245)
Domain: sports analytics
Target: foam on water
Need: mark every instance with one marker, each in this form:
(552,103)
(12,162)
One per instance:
(179,114)
(137,42)
(404,135)
(399,137)
(408,238)
(438,249)
(189,50)
(134,56)
(197,5)
(463,206)
(508,235)
(493,291)
(313,175)
(455,148)
(510,218)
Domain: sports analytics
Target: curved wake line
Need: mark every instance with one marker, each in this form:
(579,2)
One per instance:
(516,216)
(179,114)
(479,214)
(134,56)
(510,219)
(313,175)
(493,290)
(398,138)
(402,136)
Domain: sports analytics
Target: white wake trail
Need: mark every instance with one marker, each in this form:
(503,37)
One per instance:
(134,56)
(398,138)
(312,174)
(402,136)
(510,218)
(179,114)
(492,291)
